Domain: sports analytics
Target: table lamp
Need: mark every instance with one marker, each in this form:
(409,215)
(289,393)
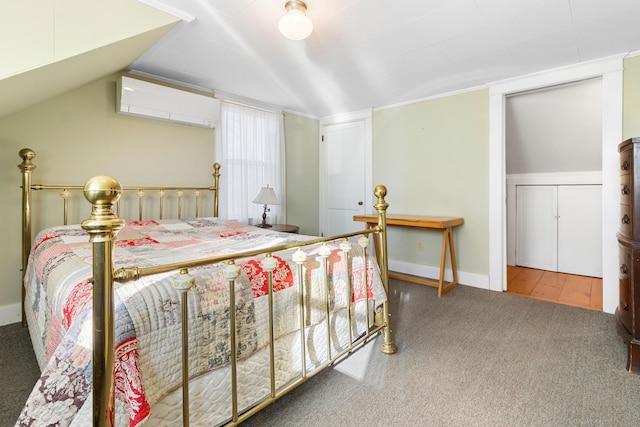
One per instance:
(266,197)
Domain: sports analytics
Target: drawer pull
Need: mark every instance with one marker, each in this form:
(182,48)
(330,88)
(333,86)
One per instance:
(626,219)
(625,165)
(624,305)
(624,269)
(625,190)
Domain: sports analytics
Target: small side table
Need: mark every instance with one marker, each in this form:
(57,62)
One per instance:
(285,228)
(443,223)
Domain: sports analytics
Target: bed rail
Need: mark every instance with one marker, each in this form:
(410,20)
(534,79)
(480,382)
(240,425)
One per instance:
(103,225)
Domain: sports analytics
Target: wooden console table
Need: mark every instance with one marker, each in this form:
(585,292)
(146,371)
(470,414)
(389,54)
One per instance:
(443,223)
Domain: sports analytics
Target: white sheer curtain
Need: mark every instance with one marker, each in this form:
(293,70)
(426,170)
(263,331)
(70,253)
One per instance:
(250,149)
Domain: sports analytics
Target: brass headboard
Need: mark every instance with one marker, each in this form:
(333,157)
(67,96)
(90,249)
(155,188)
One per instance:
(27,167)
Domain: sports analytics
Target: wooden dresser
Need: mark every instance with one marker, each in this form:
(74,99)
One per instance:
(628,311)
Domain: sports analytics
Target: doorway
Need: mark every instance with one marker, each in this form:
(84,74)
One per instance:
(345,172)
(611,71)
(552,132)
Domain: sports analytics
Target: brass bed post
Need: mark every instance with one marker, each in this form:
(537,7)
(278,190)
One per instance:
(381,206)
(216,186)
(103,225)
(26,167)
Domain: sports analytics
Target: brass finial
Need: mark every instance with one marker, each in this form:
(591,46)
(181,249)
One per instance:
(27,154)
(380,191)
(102,190)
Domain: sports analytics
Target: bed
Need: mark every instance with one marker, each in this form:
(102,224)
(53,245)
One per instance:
(131,320)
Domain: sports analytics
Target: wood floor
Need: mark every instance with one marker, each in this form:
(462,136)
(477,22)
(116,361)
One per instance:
(568,289)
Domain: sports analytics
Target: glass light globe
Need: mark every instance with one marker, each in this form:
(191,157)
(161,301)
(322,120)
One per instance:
(295,25)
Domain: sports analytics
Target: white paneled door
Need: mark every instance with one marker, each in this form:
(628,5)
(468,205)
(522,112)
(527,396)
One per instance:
(343,191)
(536,226)
(580,229)
(559,228)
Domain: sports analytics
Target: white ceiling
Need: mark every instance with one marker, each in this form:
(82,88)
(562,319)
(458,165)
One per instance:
(371,53)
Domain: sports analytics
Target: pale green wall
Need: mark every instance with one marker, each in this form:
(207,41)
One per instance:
(631,106)
(301,144)
(433,157)
(79,135)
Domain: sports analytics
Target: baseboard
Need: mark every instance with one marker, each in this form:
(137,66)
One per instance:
(10,314)
(469,279)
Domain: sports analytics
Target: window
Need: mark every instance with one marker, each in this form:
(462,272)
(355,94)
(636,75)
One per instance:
(251,152)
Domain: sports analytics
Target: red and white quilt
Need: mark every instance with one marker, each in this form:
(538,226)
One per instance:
(147,314)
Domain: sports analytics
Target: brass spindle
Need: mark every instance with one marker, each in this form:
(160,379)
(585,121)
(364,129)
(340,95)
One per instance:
(182,284)
(231,272)
(324,253)
(300,257)
(161,196)
(140,196)
(268,264)
(197,195)
(65,196)
(364,242)
(345,246)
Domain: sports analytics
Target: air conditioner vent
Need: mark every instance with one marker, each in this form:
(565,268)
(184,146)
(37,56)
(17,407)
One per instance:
(141,98)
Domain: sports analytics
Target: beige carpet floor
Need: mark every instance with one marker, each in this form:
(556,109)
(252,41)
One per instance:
(471,358)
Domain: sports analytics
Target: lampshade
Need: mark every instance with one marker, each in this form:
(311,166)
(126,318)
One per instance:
(295,24)
(266,196)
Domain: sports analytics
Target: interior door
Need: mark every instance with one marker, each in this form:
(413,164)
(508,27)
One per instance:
(580,229)
(343,178)
(536,227)
(559,228)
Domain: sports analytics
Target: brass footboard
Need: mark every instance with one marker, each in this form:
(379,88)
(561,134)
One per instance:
(103,225)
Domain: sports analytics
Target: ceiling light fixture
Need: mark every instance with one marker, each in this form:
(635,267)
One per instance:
(295,24)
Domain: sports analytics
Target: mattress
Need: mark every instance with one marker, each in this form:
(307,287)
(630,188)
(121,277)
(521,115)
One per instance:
(58,306)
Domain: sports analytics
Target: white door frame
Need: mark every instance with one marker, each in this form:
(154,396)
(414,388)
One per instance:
(611,71)
(366,116)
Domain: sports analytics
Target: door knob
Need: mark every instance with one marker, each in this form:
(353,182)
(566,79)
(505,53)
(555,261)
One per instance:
(360,203)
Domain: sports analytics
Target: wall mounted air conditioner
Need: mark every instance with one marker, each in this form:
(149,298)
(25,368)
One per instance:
(141,98)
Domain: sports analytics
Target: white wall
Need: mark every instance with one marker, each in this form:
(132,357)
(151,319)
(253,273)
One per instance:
(556,129)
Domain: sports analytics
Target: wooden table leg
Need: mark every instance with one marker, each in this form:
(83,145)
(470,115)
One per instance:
(447,237)
(454,267)
(443,261)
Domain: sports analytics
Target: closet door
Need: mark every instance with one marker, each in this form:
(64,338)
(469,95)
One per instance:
(536,227)
(580,229)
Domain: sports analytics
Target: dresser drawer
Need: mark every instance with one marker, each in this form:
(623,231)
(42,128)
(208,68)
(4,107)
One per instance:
(624,273)
(624,259)
(625,161)
(624,309)
(625,190)
(626,221)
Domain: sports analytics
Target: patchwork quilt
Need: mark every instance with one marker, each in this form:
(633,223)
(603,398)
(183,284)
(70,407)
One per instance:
(148,322)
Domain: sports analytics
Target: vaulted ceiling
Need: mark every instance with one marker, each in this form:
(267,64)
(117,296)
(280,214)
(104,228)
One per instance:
(371,53)
(361,54)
